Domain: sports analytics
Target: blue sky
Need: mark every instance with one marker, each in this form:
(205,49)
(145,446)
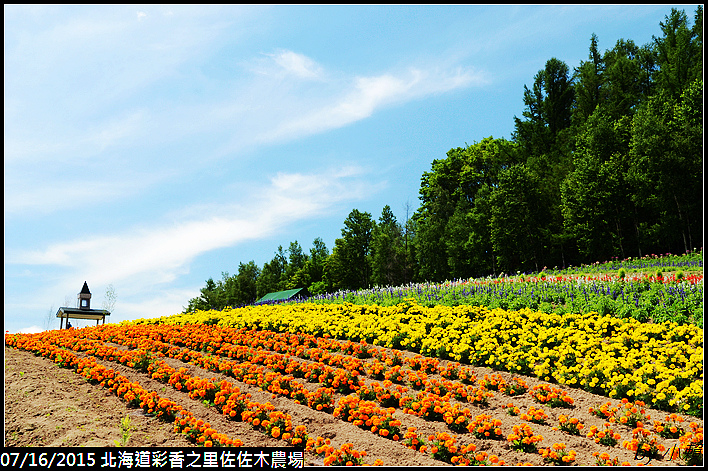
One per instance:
(153,147)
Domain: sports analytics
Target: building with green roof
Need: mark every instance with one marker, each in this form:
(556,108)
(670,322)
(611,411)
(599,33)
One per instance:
(286,295)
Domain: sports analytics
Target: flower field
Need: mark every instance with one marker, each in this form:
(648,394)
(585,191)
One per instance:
(601,354)
(644,296)
(406,383)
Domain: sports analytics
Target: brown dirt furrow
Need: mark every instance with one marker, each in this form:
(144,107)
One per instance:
(46,405)
(44,384)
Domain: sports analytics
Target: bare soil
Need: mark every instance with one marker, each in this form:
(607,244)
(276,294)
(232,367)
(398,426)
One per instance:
(46,405)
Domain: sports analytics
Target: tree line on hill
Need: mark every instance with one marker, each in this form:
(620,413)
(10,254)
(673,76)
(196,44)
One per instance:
(605,161)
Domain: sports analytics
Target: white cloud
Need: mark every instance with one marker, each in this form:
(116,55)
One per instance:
(81,144)
(297,64)
(46,192)
(365,95)
(69,76)
(97,86)
(285,64)
(33,329)
(146,263)
(150,256)
(163,302)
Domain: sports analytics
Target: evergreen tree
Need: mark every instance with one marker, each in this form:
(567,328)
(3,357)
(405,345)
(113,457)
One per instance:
(546,138)
(548,110)
(623,87)
(679,53)
(354,251)
(388,252)
(588,81)
(316,265)
(211,297)
(297,272)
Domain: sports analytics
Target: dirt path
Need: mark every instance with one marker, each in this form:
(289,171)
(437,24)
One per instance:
(46,405)
(49,406)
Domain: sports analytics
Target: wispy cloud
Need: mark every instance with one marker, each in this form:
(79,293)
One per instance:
(297,64)
(30,330)
(160,253)
(363,96)
(105,88)
(142,117)
(80,144)
(75,72)
(161,302)
(283,64)
(23,196)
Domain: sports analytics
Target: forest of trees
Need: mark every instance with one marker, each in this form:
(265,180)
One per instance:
(606,161)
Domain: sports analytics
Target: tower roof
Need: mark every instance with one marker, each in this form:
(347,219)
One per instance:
(85,289)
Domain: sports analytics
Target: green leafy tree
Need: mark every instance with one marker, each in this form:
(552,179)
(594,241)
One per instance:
(247,283)
(486,160)
(666,169)
(595,196)
(316,265)
(679,52)
(516,220)
(228,285)
(440,190)
(452,223)
(457,235)
(354,250)
(334,269)
(479,239)
(410,267)
(211,297)
(273,276)
(388,251)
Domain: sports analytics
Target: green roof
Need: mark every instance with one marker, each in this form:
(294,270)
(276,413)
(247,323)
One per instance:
(284,295)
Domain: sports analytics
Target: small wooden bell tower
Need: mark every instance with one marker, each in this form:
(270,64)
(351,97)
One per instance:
(84,310)
(85,298)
